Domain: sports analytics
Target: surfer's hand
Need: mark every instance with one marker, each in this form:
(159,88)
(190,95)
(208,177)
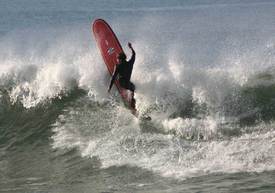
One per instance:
(130,45)
(109,90)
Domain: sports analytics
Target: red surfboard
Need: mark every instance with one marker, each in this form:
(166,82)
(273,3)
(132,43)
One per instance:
(110,48)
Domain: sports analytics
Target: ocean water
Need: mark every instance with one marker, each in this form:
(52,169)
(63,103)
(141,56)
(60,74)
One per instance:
(205,73)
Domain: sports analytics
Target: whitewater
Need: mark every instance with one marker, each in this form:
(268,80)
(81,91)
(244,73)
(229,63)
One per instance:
(204,72)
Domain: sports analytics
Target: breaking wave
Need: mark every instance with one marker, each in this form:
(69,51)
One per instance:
(212,108)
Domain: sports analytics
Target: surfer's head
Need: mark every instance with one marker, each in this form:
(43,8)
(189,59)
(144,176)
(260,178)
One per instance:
(121,56)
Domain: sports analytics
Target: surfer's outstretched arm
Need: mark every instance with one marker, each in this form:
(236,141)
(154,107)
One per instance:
(113,79)
(132,60)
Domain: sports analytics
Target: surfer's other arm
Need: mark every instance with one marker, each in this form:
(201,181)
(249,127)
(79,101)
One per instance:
(113,79)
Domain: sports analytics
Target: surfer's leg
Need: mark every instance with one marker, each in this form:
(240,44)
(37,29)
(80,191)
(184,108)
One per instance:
(133,103)
(131,86)
(127,85)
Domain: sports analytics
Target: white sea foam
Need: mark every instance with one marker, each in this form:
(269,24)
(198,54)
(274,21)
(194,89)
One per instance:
(168,155)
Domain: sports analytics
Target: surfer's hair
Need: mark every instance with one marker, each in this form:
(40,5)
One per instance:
(121,56)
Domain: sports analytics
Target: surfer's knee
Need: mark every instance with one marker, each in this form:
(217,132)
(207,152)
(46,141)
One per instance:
(132,87)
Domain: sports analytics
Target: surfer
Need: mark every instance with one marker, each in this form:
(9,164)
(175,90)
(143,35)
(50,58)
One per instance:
(124,71)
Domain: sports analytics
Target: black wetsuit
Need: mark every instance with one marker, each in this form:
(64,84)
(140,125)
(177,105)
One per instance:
(124,72)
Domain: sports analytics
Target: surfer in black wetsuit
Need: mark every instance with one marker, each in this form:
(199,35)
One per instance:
(124,71)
